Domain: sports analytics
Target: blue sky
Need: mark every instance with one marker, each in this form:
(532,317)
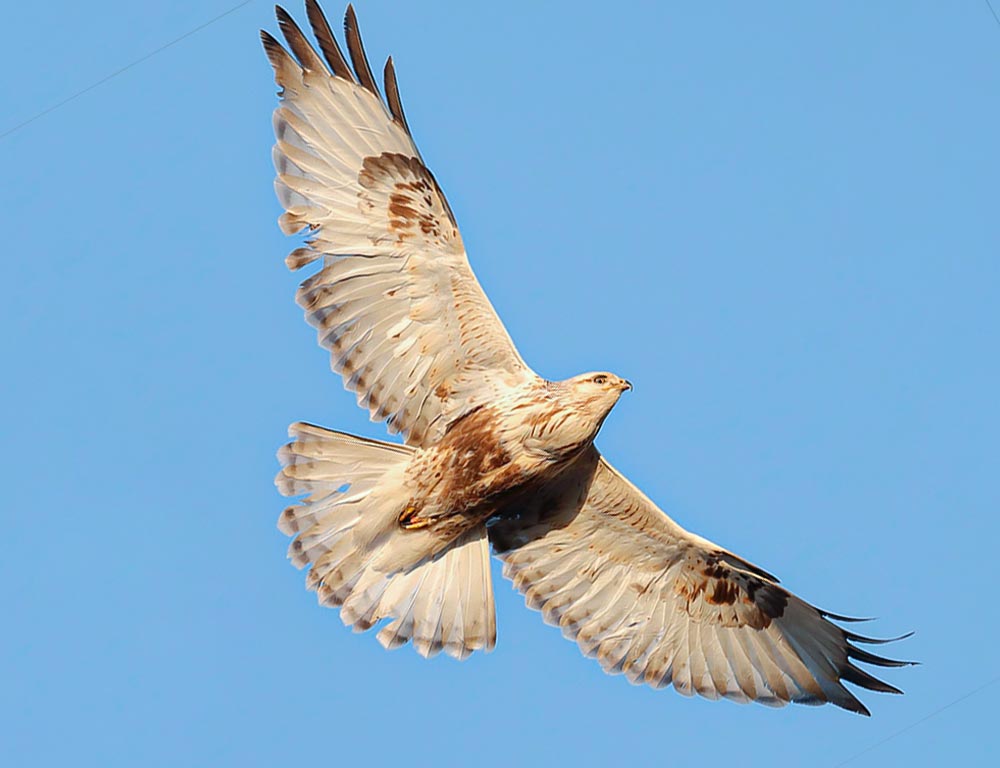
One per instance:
(779,220)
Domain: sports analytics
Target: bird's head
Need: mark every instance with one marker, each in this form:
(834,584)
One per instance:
(588,399)
(597,392)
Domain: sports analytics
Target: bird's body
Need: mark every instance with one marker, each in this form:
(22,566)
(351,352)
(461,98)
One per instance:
(399,535)
(526,437)
(494,449)
(485,457)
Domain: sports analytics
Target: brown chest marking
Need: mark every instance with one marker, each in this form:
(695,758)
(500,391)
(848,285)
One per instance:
(472,450)
(467,467)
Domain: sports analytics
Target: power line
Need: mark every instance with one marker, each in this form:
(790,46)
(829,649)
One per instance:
(924,719)
(995,17)
(127,67)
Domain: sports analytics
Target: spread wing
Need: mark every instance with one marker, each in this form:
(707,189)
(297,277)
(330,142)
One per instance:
(395,302)
(663,606)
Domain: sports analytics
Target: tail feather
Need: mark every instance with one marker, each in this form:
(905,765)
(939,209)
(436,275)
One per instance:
(445,604)
(346,529)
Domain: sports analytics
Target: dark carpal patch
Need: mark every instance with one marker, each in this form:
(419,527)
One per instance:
(415,206)
(755,601)
(770,599)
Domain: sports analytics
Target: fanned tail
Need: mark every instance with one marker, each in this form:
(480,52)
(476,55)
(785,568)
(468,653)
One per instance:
(346,528)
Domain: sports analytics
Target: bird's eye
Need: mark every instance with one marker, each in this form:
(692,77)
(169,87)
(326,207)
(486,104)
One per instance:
(602,379)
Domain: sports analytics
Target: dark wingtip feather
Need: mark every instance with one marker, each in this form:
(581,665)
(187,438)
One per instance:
(392,95)
(357,51)
(297,41)
(874,640)
(852,704)
(275,51)
(746,565)
(269,43)
(862,710)
(843,698)
(878,661)
(852,674)
(838,617)
(327,42)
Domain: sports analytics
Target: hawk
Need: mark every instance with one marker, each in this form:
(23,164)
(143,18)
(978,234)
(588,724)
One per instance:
(399,535)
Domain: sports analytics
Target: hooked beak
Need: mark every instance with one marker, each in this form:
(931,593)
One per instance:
(626,385)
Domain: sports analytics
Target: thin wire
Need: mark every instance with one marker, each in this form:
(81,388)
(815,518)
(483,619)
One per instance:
(962,698)
(924,719)
(127,67)
(995,17)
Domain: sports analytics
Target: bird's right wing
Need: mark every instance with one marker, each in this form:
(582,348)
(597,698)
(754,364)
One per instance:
(395,302)
(664,606)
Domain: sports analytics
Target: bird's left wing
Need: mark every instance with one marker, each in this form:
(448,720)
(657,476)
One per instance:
(395,303)
(663,606)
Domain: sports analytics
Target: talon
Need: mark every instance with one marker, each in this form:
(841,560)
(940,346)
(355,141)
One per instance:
(408,519)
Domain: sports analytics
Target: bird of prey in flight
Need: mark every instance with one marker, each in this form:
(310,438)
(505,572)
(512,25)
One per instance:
(493,455)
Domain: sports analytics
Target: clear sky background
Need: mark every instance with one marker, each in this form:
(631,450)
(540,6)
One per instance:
(781,221)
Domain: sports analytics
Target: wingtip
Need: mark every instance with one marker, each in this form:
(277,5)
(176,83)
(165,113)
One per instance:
(392,95)
(850,619)
(275,52)
(268,39)
(356,50)
(848,701)
(859,677)
(875,660)
(282,15)
(856,638)
(327,41)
